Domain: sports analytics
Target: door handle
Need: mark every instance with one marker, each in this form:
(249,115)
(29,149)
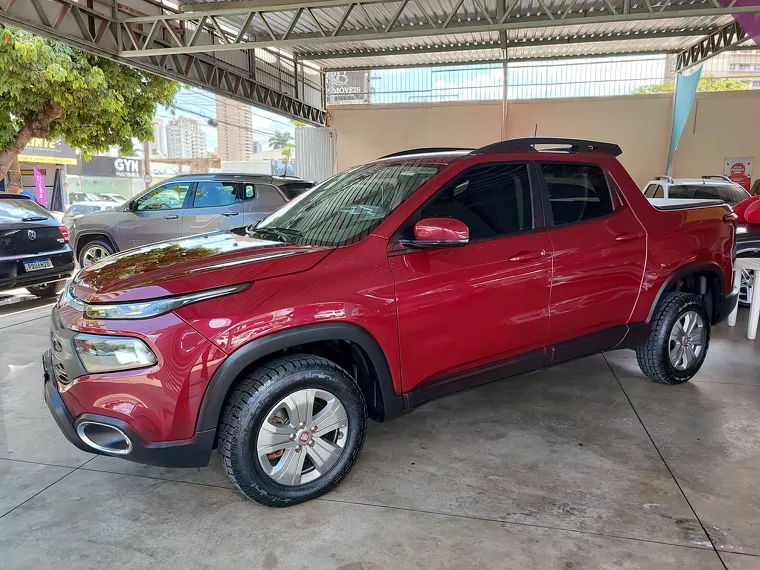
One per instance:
(171,217)
(525,256)
(230,213)
(628,236)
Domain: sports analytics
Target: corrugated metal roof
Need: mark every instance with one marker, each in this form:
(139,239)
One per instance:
(571,39)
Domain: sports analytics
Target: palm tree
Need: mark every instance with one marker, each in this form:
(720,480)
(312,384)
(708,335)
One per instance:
(280,140)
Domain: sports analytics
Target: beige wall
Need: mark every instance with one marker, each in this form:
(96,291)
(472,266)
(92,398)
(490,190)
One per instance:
(720,125)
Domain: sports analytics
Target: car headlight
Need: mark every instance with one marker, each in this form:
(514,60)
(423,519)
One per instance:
(112,353)
(146,309)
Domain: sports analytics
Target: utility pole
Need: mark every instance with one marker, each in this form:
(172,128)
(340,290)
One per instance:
(146,162)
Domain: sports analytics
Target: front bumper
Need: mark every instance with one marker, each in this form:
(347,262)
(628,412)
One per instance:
(193,452)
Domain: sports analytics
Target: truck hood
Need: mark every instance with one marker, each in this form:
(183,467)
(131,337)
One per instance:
(191,264)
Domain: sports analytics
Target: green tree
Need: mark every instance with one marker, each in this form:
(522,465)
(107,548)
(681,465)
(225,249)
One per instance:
(280,140)
(706,83)
(50,90)
(287,155)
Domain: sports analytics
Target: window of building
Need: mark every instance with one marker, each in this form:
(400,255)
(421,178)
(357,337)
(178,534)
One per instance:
(744,67)
(577,192)
(492,199)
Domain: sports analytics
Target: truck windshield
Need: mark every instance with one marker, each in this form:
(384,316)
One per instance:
(348,206)
(730,194)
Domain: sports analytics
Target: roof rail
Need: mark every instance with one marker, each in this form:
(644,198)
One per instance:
(424,150)
(717,177)
(527,144)
(665,178)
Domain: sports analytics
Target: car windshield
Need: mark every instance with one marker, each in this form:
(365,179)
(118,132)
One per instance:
(348,206)
(730,194)
(17,209)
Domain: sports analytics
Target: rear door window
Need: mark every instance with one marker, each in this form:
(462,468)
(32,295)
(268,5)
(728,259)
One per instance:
(659,192)
(577,192)
(216,193)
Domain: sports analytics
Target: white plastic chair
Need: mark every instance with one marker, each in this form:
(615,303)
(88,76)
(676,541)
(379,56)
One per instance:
(754,308)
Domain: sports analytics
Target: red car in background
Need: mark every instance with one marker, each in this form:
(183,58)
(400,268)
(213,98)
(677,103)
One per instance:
(415,276)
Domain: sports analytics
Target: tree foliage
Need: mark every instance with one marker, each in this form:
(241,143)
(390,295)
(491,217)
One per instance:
(706,83)
(50,90)
(280,140)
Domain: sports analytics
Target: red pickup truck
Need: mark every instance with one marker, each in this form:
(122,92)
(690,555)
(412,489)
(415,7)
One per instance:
(415,276)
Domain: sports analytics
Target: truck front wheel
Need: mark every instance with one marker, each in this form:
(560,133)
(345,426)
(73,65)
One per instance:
(292,430)
(677,344)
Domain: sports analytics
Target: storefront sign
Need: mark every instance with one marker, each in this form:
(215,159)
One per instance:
(111,167)
(48,152)
(739,170)
(347,87)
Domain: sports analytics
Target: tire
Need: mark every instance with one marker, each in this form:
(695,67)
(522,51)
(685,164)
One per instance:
(47,289)
(93,251)
(654,355)
(258,398)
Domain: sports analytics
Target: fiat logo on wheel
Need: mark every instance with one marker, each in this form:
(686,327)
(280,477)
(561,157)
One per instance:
(304,437)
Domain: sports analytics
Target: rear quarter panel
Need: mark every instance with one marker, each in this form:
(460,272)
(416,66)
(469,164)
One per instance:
(677,238)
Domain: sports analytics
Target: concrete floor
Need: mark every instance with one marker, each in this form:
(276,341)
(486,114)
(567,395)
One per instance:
(586,465)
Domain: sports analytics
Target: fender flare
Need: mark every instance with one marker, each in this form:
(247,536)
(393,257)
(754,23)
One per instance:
(222,380)
(87,233)
(685,271)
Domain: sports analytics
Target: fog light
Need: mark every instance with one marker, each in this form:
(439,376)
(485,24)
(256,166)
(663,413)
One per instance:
(112,353)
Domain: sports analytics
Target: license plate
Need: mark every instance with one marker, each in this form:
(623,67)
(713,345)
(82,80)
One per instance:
(38,264)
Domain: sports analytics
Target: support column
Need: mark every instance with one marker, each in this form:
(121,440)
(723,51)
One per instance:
(504,99)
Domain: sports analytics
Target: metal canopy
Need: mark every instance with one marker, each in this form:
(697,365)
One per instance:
(273,53)
(345,34)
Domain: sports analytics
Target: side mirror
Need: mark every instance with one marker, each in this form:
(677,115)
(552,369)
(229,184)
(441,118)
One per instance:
(439,232)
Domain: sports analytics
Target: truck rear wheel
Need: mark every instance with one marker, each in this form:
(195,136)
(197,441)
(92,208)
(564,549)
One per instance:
(677,344)
(292,430)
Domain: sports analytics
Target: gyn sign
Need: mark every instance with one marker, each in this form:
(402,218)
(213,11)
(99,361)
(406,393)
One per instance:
(126,168)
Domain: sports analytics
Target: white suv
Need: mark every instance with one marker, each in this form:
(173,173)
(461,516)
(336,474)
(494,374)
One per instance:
(705,188)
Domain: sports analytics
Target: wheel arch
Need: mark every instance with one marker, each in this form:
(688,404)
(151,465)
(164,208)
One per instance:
(713,284)
(90,235)
(375,381)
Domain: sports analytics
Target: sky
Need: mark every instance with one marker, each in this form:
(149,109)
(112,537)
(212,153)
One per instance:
(200,105)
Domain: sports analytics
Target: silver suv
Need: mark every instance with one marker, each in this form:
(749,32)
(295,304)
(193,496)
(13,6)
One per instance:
(181,206)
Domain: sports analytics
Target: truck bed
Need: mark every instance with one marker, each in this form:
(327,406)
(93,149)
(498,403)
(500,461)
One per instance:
(681,204)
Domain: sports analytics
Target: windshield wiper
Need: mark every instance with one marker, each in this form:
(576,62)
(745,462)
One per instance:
(287,234)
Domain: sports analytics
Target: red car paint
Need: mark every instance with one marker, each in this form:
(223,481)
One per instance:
(434,312)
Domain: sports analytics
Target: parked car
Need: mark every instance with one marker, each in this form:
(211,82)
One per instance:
(34,248)
(747,245)
(705,188)
(112,197)
(75,197)
(180,206)
(81,208)
(389,285)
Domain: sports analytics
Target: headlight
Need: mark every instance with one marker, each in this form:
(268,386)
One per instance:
(111,353)
(146,309)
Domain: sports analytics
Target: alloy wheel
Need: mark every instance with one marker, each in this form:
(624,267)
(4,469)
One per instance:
(746,286)
(687,340)
(93,254)
(302,437)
